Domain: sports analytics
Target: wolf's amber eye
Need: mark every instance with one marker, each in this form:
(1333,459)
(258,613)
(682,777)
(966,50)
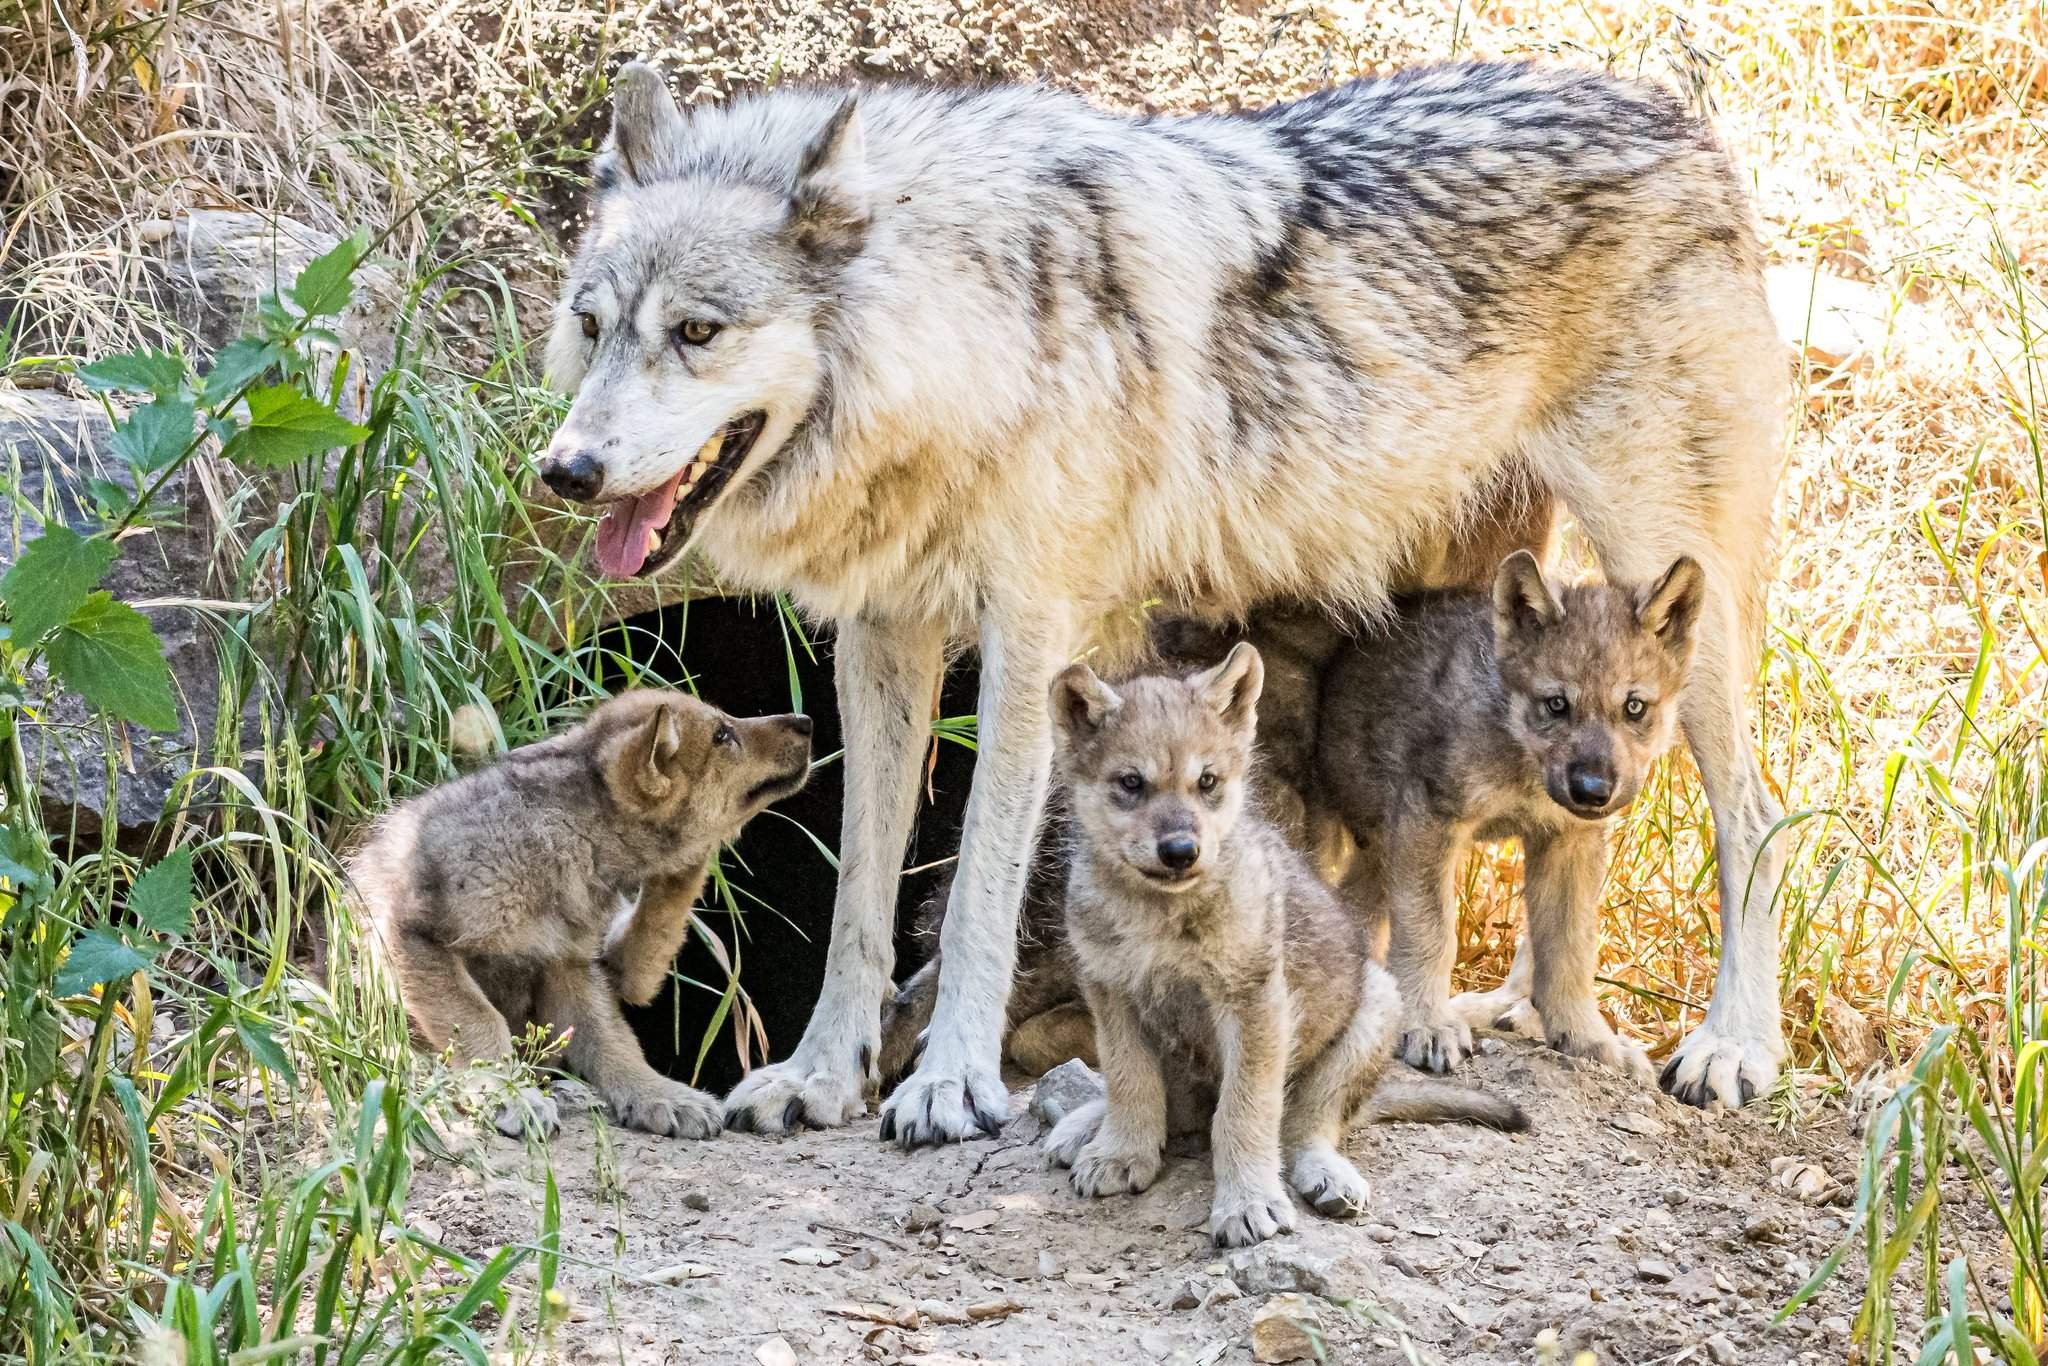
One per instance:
(1207,782)
(1556,704)
(589,325)
(695,332)
(1130,782)
(724,736)
(1635,708)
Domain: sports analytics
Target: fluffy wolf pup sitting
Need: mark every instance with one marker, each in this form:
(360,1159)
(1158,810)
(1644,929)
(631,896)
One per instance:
(1526,713)
(543,888)
(1228,985)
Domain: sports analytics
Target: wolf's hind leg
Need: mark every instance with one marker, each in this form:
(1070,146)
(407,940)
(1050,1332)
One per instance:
(1323,1097)
(578,999)
(1508,1006)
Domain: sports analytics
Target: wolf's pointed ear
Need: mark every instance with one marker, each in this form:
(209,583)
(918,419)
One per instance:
(1232,688)
(828,203)
(1670,607)
(1081,702)
(646,125)
(1522,600)
(660,740)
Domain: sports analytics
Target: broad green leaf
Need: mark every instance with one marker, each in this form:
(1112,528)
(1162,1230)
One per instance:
(108,655)
(24,862)
(146,371)
(286,425)
(51,580)
(97,956)
(155,434)
(234,365)
(323,287)
(162,897)
(110,499)
(263,1046)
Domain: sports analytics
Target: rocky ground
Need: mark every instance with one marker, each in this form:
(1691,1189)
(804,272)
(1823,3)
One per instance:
(1622,1222)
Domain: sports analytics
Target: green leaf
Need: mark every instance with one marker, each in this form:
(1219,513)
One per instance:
(24,862)
(155,434)
(234,365)
(262,1045)
(98,956)
(146,371)
(285,425)
(162,897)
(323,287)
(51,580)
(108,655)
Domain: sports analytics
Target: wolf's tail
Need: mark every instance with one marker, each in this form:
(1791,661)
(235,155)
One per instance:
(1402,1101)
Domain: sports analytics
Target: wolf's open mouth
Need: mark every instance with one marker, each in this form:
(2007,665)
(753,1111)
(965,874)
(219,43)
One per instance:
(640,535)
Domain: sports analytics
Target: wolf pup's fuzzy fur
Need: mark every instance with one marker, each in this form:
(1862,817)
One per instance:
(1219,969)
(543,888)
(990,366)
(1525,713)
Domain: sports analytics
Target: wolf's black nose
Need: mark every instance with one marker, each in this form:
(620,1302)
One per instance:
(1589,786)
(800,724)
(579,478)
(1179,852)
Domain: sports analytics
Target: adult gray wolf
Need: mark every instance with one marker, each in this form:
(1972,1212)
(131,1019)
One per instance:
(995,367)
(1526,713)
(546,886)
(1227,984)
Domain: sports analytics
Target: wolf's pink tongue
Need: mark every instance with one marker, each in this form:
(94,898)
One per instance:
(622,531)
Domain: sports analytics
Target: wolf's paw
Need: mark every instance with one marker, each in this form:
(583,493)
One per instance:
(1241,1217)
(1073,1133)
(1435,1044)
(1116,1164)
(1326,1179)
(1712,1068)
(786,1096)
(530,1114)
(673,1111)
(940,1104)
(1501,1009)
(1595,1041)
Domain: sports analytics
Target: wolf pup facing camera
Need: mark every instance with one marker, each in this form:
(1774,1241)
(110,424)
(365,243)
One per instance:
(1525,713)
(990,366)
(546,886)
(1221,972)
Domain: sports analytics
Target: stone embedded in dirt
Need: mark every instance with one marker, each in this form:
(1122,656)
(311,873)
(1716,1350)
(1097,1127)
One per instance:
(1188,1296)
(1721,1350)
(1504,1258)
(1425,1230)
(921,1217)
(811,1256)
(1420,1264)
(895,1315)
(938,1311)
(863,1260)
(1837,1324)
(1675,1196)
(975,1222)
(1629,1122)
(1278,1269)
(983,1310)
(677,1273)
(1286,1328)
(1655,1270)
(1064,1090)
(1806,1179)
(1222,1292)
(1382,1233)
(775,1352)
(1048,1265)
(696,1200)
(1765,1228)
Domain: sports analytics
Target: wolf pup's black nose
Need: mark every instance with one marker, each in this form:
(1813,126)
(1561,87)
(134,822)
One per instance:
(578,478)
(1179,852)
(800,724)
(1589,786)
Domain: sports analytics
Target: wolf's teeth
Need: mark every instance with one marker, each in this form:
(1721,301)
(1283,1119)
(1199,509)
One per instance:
(653,540)
(699,470)
(708,452)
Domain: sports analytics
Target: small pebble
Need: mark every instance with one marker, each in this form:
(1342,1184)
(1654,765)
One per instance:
(1655,1270)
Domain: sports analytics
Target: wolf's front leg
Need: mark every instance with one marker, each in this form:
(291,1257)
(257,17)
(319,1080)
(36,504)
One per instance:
(887,671)
(578,999)
(1562,878)
(957,1087)
(1423,947)
(1253,1037)
(1120,1154)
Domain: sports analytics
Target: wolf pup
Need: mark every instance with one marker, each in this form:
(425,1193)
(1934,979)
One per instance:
(1208,948)
(1531,715)
(546,886)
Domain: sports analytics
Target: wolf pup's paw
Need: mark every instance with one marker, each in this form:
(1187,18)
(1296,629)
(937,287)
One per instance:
(786,1096)
(673,1111)
(1436,1043)
(1073,1133)
(1595,1041)
(530,1114)
(1112,1164)
(1714,1068)
(1326,1179)
(939,1104)
(1510,1011)
(1239,1218)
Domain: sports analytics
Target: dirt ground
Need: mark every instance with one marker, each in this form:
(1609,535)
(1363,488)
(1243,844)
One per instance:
(1622,1222)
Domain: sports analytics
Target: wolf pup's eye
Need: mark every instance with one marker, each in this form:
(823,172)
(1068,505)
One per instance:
(724,736)
(1207,782)
(589,325)
(696,332)
(1556,704)
(1130,782)
(1635,708)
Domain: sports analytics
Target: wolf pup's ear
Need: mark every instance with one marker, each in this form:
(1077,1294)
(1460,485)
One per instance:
(646,125)
(1232,688)
(1670,607)
(657,745)
(828,203)
(1081,702)
(1522,600)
